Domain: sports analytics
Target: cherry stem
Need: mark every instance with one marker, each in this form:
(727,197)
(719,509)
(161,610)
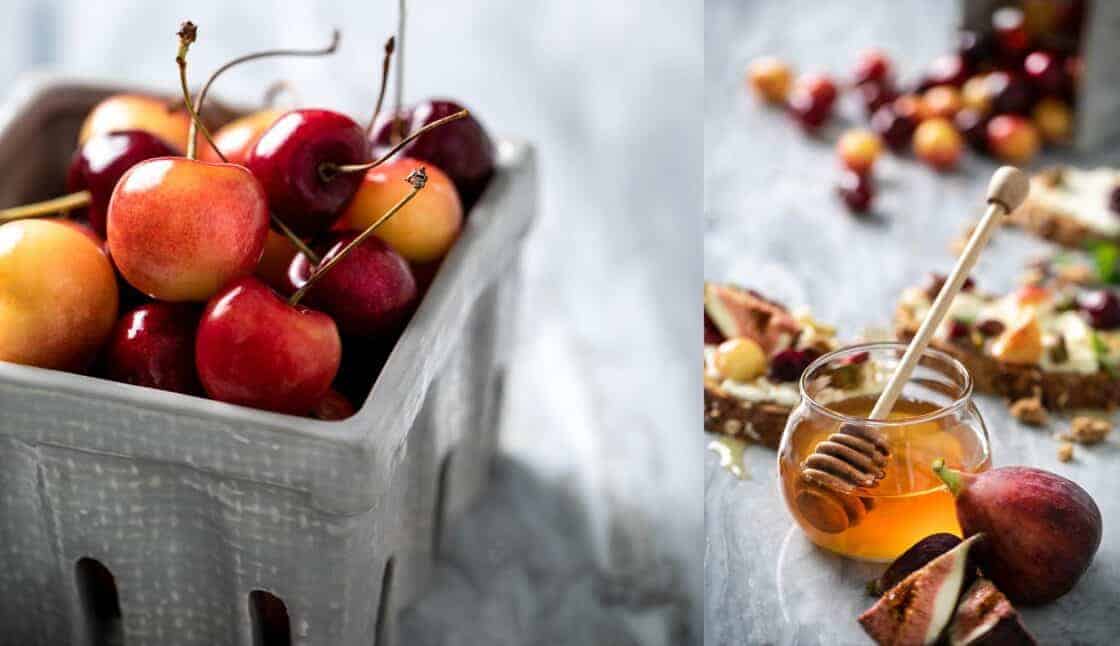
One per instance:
(268,101)
(269,53)
(397,132)
(47,207)
(329,171)
(418,179)
(389,45)
(187,34)
(296,241)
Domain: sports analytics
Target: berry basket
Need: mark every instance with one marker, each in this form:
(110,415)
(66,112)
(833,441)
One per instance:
(137,516)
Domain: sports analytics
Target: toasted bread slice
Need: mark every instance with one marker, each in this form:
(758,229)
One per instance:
(1091,386)
(1070,206)
(755,410)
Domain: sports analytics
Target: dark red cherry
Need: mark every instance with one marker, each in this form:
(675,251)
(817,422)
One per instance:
(973,126)
(947,69)
(292,161)
(462,149)
(895,129)
(872,66)
(153,346)
(788,365)
(857,191)
(1102,307)
(102,159)
(877,94)
(1047,73)
(1011,94)
(1010,29)
(974,48)
(959,329)
(369,292)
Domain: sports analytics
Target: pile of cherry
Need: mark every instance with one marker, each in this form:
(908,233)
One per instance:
(1003,92)
(216,301)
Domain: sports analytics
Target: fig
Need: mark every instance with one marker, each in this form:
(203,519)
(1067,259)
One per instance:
(917,610)
(1042,529)
(918,555)
(985,617)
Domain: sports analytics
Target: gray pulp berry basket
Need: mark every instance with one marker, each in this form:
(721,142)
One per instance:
(215,520)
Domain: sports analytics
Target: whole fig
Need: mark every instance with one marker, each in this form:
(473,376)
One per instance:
(1042,529)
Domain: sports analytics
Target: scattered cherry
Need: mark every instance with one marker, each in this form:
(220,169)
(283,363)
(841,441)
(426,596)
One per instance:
(1012,138)
(1102,307)
(1010,93)
(947,69)
(973,48)
(770,78)
(896,130)
(973,126)
(858,149)
(811,101)
(153,346)
(1047,73)
(937,143)
(876,95)
(872,66)
(788,365)
(857,190)
(1011,32)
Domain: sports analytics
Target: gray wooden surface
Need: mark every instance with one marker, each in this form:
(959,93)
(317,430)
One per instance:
(773,222)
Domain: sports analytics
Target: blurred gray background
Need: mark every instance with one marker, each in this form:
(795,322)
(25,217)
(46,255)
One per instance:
(592,531)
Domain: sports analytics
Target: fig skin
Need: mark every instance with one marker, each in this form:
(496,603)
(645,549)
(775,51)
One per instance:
(1042,530)
(914,558)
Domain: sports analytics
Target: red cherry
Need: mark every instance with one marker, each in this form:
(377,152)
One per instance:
(369,292)
(876,95)
(153,346)
(98,164)
(462,149)
(895,129)
(857,191)
(811,100)
(256,350)
(948,69)
(1010,93)
(1010,29)
(872,66)
(289,160)
(1047,73)
(973,126)
(1102,307)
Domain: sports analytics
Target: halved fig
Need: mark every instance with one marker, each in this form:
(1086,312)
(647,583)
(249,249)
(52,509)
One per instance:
(740,312)
(919,554)
(985,617)
(917,610)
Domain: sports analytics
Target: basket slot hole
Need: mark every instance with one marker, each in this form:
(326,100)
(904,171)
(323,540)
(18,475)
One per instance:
(441,504)
(101,606)
(271,626)
(383,605)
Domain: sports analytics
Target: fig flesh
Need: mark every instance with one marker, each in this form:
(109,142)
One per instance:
(985,617)
(917,610)
(918,555)
(1042,529)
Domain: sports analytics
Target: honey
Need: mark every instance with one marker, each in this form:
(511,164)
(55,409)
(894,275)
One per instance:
(910,502)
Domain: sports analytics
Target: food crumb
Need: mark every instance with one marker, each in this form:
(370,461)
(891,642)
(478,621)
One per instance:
(1029,410)
(1087,430)
(1065,452)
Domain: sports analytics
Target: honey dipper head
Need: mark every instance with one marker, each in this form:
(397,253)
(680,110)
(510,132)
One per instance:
(1008,188)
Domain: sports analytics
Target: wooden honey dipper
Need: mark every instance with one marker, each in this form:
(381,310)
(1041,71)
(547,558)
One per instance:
(855,456)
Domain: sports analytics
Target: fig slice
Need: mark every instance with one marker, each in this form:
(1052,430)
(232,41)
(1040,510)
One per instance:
(917,610)
(919,554)
(985,617)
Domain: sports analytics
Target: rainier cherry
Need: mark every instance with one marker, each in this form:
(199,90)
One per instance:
(425,229)
(179,229)
(58,295)
(138,112)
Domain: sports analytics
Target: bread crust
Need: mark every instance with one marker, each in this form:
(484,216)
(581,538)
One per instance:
(757,422)
(1057,390)
(1052,225)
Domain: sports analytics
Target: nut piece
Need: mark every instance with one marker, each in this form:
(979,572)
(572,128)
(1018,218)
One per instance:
(1029,410)
(1065,452)
(1087,430)
(740,359)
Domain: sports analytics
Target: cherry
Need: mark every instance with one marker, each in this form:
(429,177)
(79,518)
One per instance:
(811,101)
(873,66)
(153,346)
(95,169)
(369,292)
(1010,93)
(333,406)
(1011,32)
(788,365)
(463,149)
(974,48)
(1102,308)
(895,129)
(958,330)
(1047,73)
(254,349)
(973,125)
(948,69)
(857,190)
(178,228)
(876,95)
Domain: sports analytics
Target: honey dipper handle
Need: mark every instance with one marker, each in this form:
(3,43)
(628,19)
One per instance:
(1006,191)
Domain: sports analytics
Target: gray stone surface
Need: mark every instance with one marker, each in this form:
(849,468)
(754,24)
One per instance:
(773,222)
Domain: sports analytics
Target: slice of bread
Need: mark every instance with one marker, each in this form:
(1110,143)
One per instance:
(734,312)
(1070,206)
